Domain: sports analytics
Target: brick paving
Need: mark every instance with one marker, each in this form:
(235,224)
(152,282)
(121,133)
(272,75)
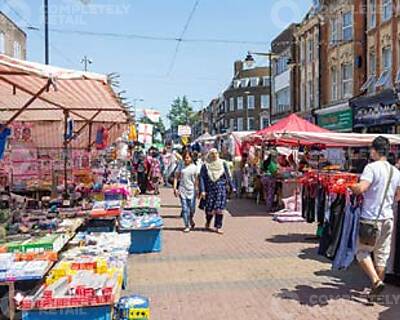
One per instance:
(259,269)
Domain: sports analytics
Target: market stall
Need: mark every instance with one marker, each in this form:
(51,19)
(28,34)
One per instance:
(74,242)
(79,109)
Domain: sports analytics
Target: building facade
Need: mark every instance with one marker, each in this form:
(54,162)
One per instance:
(283,50)
(377,110)
(308,64)
(245,104)
(343,71)
(12,38)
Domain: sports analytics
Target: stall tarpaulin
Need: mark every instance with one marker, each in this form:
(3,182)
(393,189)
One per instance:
(33,92)
(332,139)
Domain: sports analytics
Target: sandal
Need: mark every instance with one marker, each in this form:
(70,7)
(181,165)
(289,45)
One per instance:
(377,289)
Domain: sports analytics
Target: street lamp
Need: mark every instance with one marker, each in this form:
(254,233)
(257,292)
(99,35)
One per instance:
(86,61)
(135,101)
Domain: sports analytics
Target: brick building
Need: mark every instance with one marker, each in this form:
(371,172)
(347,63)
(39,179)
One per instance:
(284,70)
(246,102)
(343,70)
(12,38)
(377,111)
(308,64)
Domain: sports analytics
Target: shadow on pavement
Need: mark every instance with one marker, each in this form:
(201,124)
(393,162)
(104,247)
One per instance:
(293,237)
(346,285)
(246,208)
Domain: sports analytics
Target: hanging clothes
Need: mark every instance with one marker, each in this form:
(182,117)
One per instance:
(308,205)
(332,229)
(348,243)
(101,138)
(3,139)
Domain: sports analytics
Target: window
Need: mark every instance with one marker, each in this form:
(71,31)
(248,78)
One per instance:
(369,85)
(251,103)
(334,84)
(334,31)
(387,9)
(232,104)
(2,43)
(254,82)
(283,100)
(310,50)
(387,58)
(385,77)
(265,99)
(281,65)
(371,14)
(251,124)
(236,84)
(232,124)
(239,103)
(372,64)
(17,50)
(310,93)
(240,124)
(264,122)
(266,81)
(302,51)
(347,80)
(347,26)
(244,82)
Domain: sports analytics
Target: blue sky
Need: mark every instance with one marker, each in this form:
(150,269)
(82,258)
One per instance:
(201,71)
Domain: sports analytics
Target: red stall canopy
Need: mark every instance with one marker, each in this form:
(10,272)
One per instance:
(291,123)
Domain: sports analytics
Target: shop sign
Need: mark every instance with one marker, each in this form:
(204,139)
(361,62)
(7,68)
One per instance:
(184,131)
(376,114)
(337,121)
(381,109)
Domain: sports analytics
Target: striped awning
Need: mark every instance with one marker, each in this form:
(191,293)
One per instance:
(84,96)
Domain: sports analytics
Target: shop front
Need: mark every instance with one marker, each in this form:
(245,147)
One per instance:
(338,117)
(377,114)
(339,121)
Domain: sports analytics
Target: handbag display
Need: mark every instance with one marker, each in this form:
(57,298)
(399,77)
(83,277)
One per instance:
(369,229)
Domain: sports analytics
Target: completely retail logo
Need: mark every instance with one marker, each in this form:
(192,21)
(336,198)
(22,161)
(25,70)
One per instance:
(64,12)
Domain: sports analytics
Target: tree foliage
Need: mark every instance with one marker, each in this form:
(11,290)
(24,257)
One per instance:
(181,113)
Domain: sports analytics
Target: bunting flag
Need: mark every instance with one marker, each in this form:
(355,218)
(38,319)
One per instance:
(151,114)
(132,136)
(145,133)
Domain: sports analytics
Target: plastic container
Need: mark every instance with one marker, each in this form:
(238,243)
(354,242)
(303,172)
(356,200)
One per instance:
(146,241)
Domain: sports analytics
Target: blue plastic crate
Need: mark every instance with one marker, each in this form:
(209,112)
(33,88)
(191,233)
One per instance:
(87,313)
(146,241)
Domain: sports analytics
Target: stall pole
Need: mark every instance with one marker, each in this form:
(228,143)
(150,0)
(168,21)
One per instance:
(65,155)
(90,135)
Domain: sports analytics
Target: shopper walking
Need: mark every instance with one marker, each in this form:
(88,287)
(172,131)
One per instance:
(215,179)
(154,175)
(185,188)
(379,184)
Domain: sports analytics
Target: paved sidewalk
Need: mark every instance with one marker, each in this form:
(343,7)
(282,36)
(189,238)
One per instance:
(259,269)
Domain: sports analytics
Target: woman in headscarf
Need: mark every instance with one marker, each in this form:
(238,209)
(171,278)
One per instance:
(215,179)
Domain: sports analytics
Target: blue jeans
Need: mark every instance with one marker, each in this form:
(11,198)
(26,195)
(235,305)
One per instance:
(188,210)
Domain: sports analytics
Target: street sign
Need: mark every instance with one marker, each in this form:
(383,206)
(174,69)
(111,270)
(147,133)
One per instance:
(184,131)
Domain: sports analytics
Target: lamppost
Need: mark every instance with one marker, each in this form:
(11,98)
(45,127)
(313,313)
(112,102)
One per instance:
(86,61)
(46,32)
(269,55)
(135,101)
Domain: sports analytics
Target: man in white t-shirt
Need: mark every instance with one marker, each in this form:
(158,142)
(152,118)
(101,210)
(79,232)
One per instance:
(378,192)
